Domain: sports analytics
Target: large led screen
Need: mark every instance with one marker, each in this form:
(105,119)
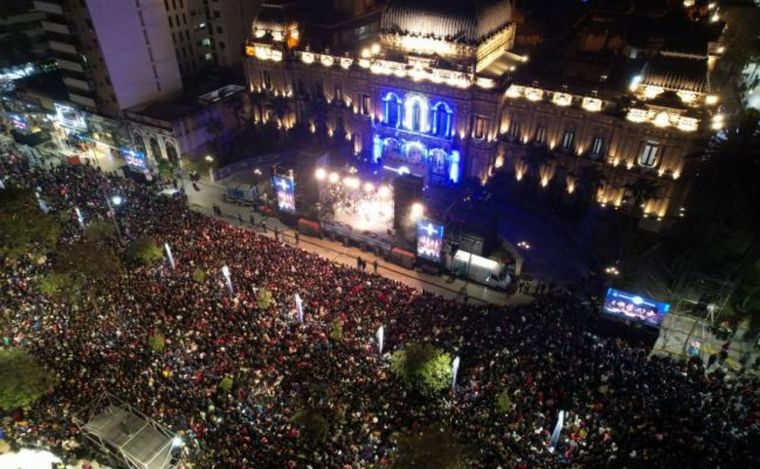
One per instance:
(634,307)
(429,240)
(284,188)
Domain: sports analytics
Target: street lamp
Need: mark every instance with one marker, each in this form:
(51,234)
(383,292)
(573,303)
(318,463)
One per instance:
(320,174)
(115,200)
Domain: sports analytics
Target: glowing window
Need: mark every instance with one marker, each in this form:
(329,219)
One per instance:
(649,154)
(415,117)
(391,110)
(540,137)
(442,120)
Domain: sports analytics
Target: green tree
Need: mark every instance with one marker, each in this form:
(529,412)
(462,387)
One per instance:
(24,228)
(22,380)
(263,298)
(100,231)
(503,403)
(57,286)
(91,265)
(157,342)
(226,384)
(199,275)
(423,368)
(312,427)
(430,448)
(336,331)
(144,250)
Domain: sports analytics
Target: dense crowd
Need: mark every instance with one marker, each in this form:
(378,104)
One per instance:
(625,408)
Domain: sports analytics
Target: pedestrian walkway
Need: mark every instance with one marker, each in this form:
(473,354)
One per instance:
(456,289)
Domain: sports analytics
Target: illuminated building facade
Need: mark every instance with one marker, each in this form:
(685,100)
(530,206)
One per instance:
(441,92)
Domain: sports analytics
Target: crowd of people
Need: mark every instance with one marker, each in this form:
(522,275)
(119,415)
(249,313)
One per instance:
(624,407)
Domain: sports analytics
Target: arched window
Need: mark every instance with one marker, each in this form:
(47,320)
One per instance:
(416,109)
(438,159)
(391,110)
(442,120)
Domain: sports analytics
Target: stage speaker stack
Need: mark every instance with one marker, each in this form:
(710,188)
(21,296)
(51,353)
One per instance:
(407,189)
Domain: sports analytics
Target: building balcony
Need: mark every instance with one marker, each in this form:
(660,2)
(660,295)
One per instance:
(83,100)
(57,28)
(49,6)
(427,139)
(77,84)
(63,47)
(70,65)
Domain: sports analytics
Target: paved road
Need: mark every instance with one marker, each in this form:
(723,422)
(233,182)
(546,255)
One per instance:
(211,193)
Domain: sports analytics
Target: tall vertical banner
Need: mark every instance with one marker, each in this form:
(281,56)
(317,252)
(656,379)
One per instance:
(227,277)
(380,336)
(429,240)
(454,372)
(284,189)
(169,255)
(558,429)
(299,307)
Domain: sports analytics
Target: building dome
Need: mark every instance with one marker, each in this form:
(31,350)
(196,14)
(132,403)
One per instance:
(456,20)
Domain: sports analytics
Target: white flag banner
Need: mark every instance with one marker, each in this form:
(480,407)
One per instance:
(299,307)
(454,372)
(169,255)
(227,277)
(380,335)
(558,429)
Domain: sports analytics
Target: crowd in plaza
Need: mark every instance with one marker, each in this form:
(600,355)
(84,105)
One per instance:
(625,408)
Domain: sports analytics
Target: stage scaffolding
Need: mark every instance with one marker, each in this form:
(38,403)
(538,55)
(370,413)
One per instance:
(130,438)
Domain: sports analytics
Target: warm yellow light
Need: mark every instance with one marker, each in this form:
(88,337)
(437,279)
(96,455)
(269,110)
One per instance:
(592,104)
(562,99)
(687,96)
(320,174)
(711,99)
(416,211)
(365,53)
(651,92)
(375,49)
(384,192)
(662,119)
(369,187)
(333,178)
(351,182)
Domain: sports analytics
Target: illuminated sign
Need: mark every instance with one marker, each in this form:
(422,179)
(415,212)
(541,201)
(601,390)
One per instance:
(134,159)
(429,240)
(70,117)
(284,188)
(634,307)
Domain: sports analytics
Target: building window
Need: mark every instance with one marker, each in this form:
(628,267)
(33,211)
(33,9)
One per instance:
(338,94)
(568,140)
(479,127)
(266,79)
(416,116)
(219,29)
(597,147)
(649,153)
(442,120)
(514,130)
(217,14)
(540,136)
(364,99)
(170,22)
(391,110)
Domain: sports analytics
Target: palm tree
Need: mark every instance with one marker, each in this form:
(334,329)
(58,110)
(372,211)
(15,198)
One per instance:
(641,190)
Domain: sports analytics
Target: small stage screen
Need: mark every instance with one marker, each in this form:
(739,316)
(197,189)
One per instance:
(633,307)
(284,188)
(429,240)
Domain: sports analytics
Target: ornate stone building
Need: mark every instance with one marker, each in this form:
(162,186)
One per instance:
(440,91)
